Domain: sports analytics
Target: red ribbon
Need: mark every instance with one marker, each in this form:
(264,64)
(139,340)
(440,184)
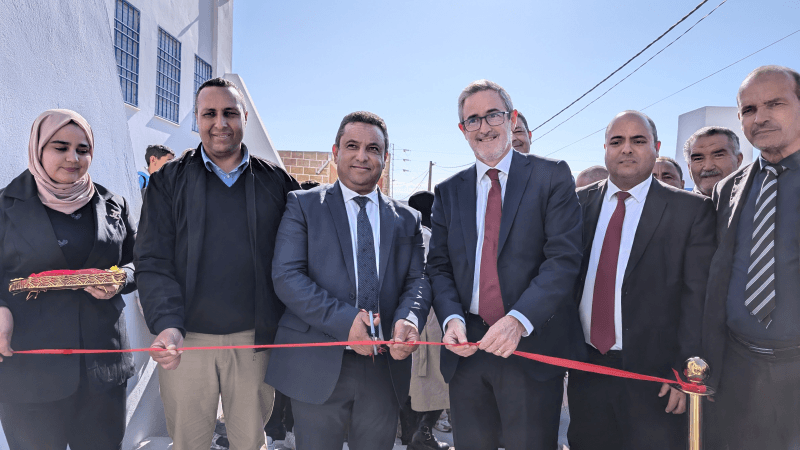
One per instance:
(560,362)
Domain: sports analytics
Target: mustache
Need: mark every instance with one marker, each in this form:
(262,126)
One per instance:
(710,173)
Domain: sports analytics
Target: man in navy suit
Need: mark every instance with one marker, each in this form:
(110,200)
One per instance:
(504,254)
(343,251)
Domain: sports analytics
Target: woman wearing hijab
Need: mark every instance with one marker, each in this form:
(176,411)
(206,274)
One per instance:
(53,217)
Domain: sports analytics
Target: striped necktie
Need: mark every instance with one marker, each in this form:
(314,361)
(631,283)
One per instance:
(760,290)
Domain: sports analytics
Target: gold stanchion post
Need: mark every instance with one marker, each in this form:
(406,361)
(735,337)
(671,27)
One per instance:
(696,371)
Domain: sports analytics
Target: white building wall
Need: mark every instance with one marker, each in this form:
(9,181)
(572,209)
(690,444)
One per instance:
(721,116)
(61,55)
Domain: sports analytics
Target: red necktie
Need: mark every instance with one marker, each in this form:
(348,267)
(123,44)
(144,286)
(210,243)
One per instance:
(603,335)
(490,300)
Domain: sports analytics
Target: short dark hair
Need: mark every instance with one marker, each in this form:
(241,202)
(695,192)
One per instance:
(524,122)
(159,151)
(483,85)
(673,162)
(363,117)
(710,131)
(422,201)
(643,116)
(220,82)
(772,69)
(308,184)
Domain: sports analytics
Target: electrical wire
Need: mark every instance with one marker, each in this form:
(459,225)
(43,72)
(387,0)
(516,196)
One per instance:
(683,89)
(627,76)
(622,66)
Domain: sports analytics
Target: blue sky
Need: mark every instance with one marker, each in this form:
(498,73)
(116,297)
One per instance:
(307,64)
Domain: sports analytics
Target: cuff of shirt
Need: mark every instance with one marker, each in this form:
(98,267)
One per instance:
(451,317)
(169,321)
(523,320)
(413,319)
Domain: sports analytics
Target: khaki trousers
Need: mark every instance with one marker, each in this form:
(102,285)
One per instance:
(191,393)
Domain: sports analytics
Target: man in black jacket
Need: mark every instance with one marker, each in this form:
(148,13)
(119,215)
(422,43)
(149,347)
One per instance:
(203,264)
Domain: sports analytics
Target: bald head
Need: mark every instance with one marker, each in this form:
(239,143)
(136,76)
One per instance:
(769,70)
(642,115)
(591,175)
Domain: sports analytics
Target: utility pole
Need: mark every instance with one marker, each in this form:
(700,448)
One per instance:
(430,175)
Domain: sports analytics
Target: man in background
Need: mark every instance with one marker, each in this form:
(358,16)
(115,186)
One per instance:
(712,154)
(591,175)
(156,156)
(521,136)
(667,171)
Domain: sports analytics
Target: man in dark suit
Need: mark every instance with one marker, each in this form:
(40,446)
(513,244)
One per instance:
(344,251)
(504,254)
(203,258)
(751,327)
(647,248)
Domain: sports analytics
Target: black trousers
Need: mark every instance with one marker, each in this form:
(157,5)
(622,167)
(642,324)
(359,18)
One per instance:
(281,419)
(609,413)
(89,419)
(363,401)
(490,394)
(759,400)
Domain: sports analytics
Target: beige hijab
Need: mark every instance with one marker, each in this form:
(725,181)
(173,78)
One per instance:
(66,198)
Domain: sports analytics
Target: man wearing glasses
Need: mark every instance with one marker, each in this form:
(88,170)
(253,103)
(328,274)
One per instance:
(522,135)
(504,256)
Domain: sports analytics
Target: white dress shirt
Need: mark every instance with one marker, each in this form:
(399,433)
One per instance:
(633,212)
(483,185)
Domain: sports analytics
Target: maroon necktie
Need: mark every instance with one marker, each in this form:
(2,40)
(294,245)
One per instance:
(603,335)
(490,301)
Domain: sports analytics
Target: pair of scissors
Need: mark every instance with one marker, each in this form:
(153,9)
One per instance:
(373,335)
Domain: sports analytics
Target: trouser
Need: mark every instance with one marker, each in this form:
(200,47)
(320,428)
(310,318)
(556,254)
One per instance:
(89,419)
(759,400)
(490,395)
(191,393)
(609,413)
(363,401)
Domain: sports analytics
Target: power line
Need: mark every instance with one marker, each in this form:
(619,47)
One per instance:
(622,66)
(627,76)
(683,89)
(454,167)
(415,188)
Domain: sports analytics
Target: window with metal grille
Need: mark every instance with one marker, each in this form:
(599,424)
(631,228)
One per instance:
(202,73)
(168,76)
(126,48)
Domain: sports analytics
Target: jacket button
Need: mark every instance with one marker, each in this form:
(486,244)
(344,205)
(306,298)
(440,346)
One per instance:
(352,296)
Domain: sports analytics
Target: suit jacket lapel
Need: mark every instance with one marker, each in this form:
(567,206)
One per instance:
(518,176)
(335,201)
(654,207)
(739,191)
(594,202)
(467,197)
(196,218)
(31,220)
(388,214)
(104,215)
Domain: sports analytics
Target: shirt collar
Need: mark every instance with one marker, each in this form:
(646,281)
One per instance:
(349,194)
(503,166)
(210,164)
(791,162)
(638,192)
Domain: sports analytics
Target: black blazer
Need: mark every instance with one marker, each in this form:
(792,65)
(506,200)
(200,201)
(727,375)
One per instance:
(539,254)
(664,284)
(61,319)
(314,275)
(729,197)
(171,232)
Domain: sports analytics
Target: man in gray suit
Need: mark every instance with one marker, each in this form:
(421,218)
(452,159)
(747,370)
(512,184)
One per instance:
(344,251)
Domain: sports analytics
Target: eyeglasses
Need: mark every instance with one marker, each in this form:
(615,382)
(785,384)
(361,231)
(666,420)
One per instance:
(493,119)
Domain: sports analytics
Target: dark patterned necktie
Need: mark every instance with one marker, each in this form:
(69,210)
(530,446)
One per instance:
(759,293)
(367,271)
(490,300)
(603,331)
